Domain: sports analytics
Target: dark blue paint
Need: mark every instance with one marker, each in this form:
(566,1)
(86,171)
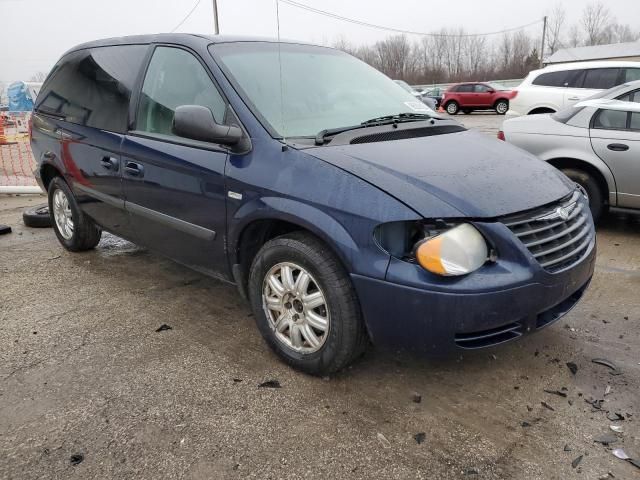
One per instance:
(339,193)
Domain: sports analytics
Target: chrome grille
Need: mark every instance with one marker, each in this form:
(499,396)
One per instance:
(558,235)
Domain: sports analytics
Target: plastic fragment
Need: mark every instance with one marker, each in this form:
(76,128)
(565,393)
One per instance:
(616,428)
(547,406)
(607,390)
(577,461)
(270,384)
(608,364)
(76,458)
(573,368)
(163,327)
(4,229)
(416,397)
(556,392)
(606,439)
(620,453)
(383,440)
(420,437)
(567,448)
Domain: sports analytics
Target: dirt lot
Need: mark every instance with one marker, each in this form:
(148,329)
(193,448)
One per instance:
(83,372)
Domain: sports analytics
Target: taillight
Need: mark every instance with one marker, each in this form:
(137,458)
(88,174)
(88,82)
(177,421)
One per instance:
(501,136)
(514,94)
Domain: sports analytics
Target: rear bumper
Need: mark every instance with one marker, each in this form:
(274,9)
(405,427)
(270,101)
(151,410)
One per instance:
(401,317)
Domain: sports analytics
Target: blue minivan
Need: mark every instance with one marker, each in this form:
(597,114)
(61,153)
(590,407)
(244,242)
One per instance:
(344,210)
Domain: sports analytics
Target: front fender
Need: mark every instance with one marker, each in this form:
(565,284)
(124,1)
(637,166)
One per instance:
(366,258)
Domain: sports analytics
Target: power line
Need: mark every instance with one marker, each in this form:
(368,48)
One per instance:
(188,15)
(398,30)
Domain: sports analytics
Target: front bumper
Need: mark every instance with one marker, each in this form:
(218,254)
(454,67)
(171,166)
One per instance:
(504,302)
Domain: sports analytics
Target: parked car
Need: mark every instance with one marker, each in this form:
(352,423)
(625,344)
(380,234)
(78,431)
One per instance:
(596,143)
(555,87)
(351,214)
(429,102)
(472,96)
(435,94)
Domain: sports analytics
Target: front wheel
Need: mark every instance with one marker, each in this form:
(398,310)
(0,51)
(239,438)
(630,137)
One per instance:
(590,185)
(502,106)
(305,305)
(75,231)
(452,108)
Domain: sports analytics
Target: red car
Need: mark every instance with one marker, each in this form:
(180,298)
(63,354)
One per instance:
(472,96)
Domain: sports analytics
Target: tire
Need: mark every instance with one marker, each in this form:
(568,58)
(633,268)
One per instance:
(452,107)
(590,185)
(502,107)
(83,234)
(37,217)
(344,338)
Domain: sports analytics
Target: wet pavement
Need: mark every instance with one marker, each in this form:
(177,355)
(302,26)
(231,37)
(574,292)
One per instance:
(90,389)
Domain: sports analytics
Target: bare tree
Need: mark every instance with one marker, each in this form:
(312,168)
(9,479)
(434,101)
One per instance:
(575,38)
(555,27)
(595,18)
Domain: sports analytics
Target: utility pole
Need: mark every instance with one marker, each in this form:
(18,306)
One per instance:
(544,38)
(216,28)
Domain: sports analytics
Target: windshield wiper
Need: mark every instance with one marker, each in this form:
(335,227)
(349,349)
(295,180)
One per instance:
(398,118)
(374,122)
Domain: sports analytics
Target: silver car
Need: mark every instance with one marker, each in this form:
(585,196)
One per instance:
(596,143)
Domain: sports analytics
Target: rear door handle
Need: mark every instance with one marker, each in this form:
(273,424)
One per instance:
(574,98)
(134,169)
(618,147)
(110,163)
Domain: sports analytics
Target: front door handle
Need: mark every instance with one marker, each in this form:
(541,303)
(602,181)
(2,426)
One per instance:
(134,169)
(618,147)
(110,163)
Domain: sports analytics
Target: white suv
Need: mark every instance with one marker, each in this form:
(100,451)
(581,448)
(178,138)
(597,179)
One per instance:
(558,86)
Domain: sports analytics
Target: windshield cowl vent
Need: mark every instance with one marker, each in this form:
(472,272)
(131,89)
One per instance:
(406,133)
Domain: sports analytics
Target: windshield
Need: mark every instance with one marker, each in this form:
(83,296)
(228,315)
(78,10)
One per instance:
(321,88)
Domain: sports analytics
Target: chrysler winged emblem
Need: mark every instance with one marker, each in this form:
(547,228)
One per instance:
(561,212)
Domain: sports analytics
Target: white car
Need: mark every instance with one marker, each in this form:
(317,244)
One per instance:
(559,86)
(596,143)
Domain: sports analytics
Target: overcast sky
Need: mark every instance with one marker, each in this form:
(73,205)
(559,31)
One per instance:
(35,33)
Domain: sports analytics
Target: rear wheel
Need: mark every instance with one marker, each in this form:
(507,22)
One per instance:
(305,305)
(75,231)
(590,185)
(37,217)
(452,108)
(502,106)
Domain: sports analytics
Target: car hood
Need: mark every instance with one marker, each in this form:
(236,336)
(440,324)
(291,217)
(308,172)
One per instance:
(463,174)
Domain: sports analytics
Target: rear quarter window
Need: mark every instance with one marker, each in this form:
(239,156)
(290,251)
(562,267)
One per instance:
(552,79)
(92,87)
(601,78)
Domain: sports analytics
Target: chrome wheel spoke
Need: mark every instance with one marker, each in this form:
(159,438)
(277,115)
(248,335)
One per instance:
(296,336)
(276,286)
(310,336)
(282,323)
(275,303)
(316,321)
(313,300)
(302,283)
(287,278)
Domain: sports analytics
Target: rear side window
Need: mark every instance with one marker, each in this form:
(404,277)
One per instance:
(630,74)
(481,88)
(601,78)
(552,79)
(92,87)
(611,119)
(174,78)
(464,88)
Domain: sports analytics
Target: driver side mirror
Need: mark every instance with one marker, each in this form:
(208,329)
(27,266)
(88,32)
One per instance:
(197,123)
(491,90)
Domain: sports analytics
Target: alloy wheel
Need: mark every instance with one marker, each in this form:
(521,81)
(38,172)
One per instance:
(62,214)
(296,307)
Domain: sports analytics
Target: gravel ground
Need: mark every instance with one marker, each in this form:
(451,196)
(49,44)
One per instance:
(90,390)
